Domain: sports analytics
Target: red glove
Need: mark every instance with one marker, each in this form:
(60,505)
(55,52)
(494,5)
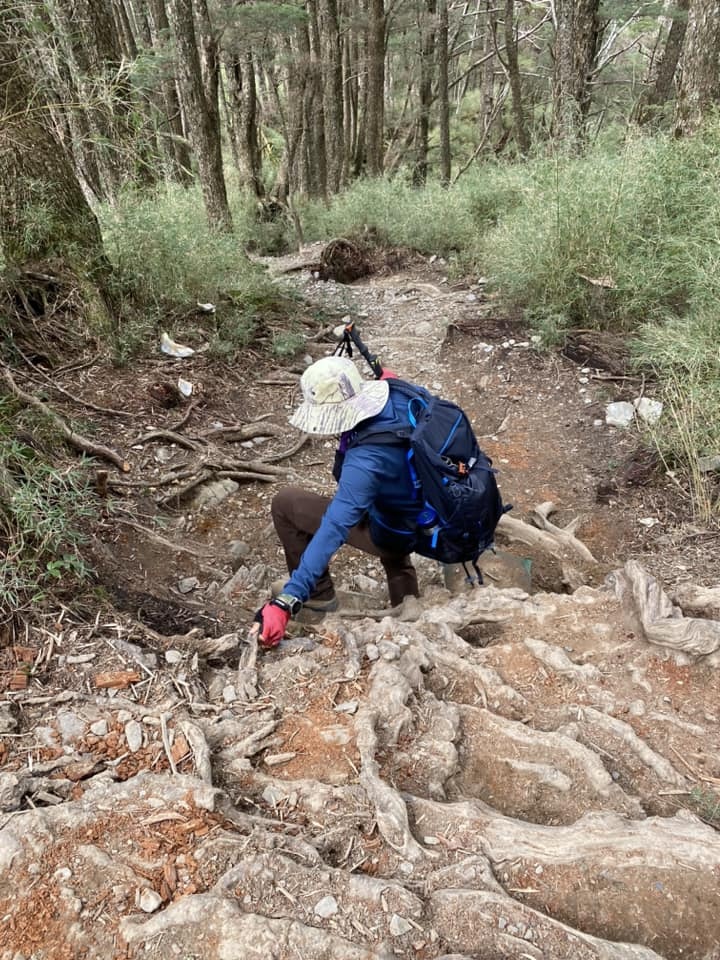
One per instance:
(389,375)
(273,621)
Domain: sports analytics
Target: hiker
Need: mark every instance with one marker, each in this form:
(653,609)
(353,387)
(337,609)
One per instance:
(411,479)
(375,507)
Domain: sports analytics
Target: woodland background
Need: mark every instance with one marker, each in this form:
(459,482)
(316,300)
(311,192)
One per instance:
(151,149)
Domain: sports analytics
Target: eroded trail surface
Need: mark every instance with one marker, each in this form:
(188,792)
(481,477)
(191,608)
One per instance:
(524,770)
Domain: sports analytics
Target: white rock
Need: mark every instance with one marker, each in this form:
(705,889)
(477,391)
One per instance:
(619,414)
(648,410)
(133,735)
(173,656)
(272,795)
(399,926)
(229,693)
(372,652)
(348,706)
(188,584)
(99,728)
(148,900)
(327,907)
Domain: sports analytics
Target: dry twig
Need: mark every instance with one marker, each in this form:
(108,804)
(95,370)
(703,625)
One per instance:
(74,439)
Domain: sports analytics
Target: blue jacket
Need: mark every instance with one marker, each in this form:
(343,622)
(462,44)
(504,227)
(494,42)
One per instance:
(375,480)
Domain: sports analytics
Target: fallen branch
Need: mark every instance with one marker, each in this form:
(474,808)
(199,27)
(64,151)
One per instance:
(74,439)
(247,431)
(66,393)
(168,435)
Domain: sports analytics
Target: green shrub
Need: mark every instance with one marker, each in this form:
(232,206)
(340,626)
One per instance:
(41,511)
(613,238)
(167,259)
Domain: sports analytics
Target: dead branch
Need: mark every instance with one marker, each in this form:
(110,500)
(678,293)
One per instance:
(286,454)
(188,413)
(74,439)
(182,491)
(247,431)
(71,396)
(168,435)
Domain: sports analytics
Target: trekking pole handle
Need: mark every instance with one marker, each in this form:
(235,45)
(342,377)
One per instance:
(350,332)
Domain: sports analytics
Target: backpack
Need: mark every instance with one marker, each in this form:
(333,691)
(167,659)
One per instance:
(453,479)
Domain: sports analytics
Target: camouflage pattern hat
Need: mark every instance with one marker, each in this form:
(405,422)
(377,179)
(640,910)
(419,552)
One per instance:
(336,398)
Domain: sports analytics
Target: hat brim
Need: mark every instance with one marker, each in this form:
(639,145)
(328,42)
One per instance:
(328,419)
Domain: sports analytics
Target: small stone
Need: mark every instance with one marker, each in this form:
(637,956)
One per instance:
(431,841)
(173,656)
(274,759)
(539,870)
(229,693)
(99,728)
(502,922)
(348,706)
(70,726)
(327,907)
(389,650)
(372,652)
(272,795)
(239,551)
(399,926)
(336,734)
(188,584)
(62,874)
(123,716)
(134,736)
(148,900)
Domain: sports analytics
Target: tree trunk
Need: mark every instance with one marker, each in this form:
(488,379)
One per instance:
(90,43)
(315,112)
(332,60)
(487,81)
(511,55)
(443,94)
(242,111)
(700,79)
(172,129)
(44,216)
(375,111)
(204,133)
(577,32)
(426,29)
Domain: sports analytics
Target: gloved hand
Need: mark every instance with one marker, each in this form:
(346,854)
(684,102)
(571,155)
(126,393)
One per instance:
(273,620)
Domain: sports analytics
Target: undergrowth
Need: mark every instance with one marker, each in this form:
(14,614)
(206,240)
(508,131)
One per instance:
(167,261)
(42,510)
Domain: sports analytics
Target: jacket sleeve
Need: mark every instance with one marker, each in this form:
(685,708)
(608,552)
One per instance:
(359,482)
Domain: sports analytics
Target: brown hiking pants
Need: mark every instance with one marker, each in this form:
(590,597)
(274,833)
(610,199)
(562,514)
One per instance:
(297,513)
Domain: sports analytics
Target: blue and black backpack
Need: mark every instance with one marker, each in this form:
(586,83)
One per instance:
(454,480)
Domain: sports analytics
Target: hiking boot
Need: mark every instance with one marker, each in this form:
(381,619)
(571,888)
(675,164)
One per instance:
(315,606)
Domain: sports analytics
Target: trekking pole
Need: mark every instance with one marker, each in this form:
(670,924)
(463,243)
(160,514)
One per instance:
(351,337)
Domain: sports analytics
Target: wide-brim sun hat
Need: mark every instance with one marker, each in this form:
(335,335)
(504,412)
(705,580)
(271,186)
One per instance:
(336,397)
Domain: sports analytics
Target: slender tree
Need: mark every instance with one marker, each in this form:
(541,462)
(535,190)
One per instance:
(44,217)
(700,81)
(375,104)
(661,85)
(171,129)
(513,71)
(200,115)
(443,93)
(577,31)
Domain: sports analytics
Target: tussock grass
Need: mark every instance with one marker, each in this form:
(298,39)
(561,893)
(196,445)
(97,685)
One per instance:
(166,259)
(430,220)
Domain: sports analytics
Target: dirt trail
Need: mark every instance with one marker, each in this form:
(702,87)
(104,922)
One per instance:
(500,773)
